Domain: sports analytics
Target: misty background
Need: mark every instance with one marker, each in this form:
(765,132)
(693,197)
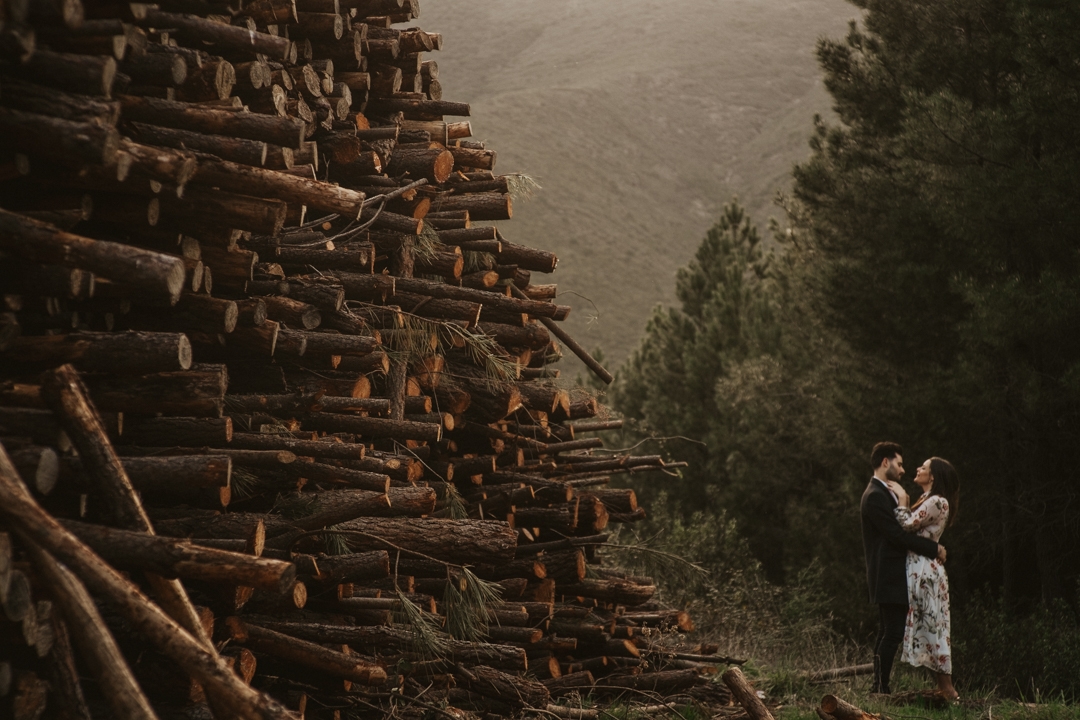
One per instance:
(639,120)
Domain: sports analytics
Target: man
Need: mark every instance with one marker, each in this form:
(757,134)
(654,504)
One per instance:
(886,545)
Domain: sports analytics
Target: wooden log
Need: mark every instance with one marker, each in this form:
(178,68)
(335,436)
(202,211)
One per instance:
(354,567)
(170,557)
(85,74)
(320,343)
(745,694)
(381,639)
(665,682)
(97,645)
(465,157)
(511,689)
(283,131)
(840,709)
(456,541)
(64,675)
(373,427)
(38,465)
(309,448)
(197,392)
(226,690)
(158,275)
(223,36)
(270,183)
(526,258)
(67,396)
(33,98)
(434,163)
(135,353)
(271,12)
(202,207)
(305,653)
(836,673)
(419,109)
(624,592)
(163,431)
(240,150)
(156,69)
(355,258)
(579,682)
(292,312)
(178,479)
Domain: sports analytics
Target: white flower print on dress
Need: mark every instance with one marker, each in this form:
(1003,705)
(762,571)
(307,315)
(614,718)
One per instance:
(927,635)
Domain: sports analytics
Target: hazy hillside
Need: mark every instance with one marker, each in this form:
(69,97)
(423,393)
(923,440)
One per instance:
(639,118)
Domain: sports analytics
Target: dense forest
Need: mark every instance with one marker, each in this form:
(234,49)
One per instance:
(922,287)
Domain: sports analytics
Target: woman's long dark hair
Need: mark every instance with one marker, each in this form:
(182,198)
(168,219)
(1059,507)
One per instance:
(946,484)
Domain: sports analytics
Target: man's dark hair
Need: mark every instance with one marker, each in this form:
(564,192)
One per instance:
(884,451)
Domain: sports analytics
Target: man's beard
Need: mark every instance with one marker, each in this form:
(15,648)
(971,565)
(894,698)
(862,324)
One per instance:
(892,474)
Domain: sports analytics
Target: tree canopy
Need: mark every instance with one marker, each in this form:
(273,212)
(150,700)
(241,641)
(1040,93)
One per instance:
(925,290)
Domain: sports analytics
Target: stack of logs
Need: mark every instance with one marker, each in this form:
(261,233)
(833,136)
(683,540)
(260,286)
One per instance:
(279,392)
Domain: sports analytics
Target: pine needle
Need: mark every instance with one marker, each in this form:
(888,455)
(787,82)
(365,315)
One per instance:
(334,543)
(455,503)
(466,600)
(427,243)
(521,186)
(426,639)
(243,483)
(294,507)
(475,261)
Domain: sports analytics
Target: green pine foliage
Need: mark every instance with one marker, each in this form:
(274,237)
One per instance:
(927,291)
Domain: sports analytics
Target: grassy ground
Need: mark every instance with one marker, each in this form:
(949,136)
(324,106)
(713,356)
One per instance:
(799,698)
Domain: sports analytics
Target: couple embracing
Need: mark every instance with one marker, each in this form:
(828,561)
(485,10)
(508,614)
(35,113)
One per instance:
(905,564)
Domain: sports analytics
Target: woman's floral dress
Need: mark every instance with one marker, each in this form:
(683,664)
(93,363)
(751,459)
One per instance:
(926,638)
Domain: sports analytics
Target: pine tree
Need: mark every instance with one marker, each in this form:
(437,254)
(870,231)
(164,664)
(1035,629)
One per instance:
(941,222)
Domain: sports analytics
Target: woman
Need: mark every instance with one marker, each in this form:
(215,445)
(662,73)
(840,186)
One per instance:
(926,638)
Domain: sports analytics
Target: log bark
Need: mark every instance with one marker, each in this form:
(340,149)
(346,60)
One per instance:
(196,658)
(666,682)
(270,183)
(131,352)
(197,392)
(354,567)
(223,36)
(305,653)
(511,689)
(67,396)
(481,206)
(842,710)
(158,275)
(170,557)
(68,71)
(581,682)
(284,131)
(435,163)
(201,208)
(32,98)
(373,427)
(64,675)
(308,448)
(745,694)
(455,541)
(164,431)
(624,592)
(96,643)
(239,150)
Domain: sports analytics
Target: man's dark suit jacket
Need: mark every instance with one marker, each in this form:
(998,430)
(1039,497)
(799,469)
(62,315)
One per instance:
(886,545)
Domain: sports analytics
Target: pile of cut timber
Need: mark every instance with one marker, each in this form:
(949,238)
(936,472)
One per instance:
(280,435)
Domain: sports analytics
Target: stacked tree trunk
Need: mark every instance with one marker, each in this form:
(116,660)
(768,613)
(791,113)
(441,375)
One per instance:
(280,432)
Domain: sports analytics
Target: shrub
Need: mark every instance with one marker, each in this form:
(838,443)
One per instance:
(1033,657)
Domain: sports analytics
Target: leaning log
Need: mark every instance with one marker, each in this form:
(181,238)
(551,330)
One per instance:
(158,275)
